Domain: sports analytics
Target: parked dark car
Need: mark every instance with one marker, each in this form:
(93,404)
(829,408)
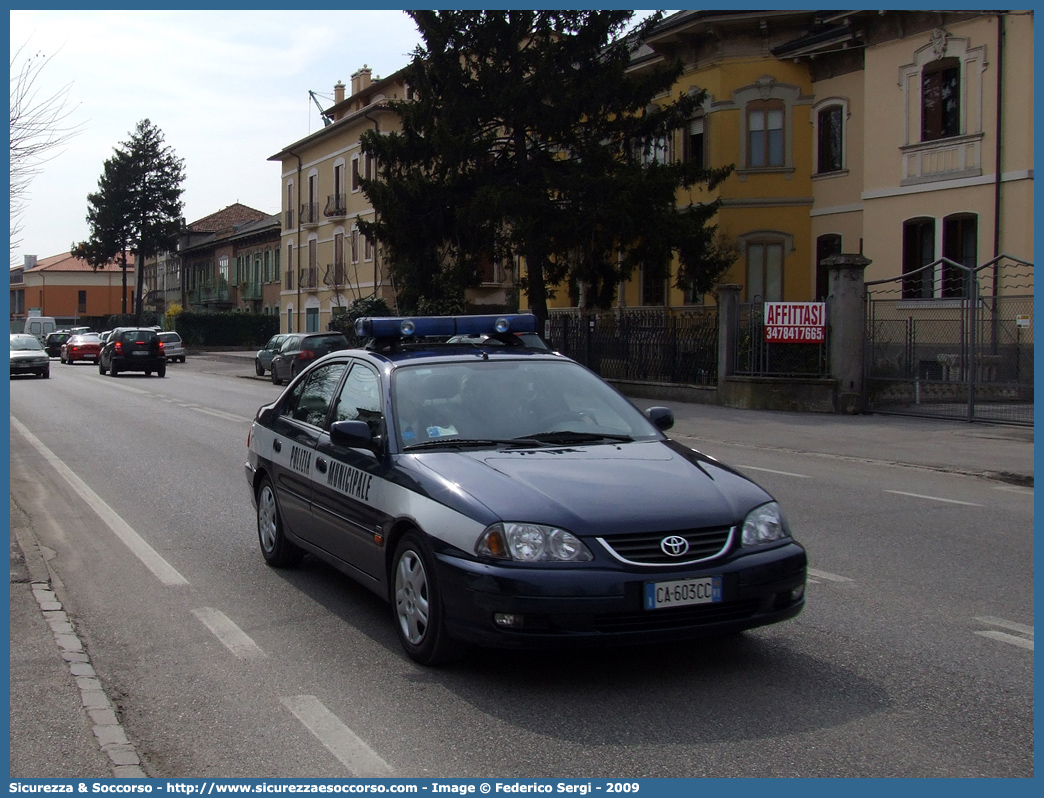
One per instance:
(85,346)
(299,350)
(263,358)
(28,356)
(54,341)
(133,349)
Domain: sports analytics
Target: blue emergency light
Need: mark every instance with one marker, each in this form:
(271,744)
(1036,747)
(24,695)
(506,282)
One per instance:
(420,326)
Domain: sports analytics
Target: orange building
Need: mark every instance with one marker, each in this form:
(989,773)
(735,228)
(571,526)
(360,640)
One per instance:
(68,289)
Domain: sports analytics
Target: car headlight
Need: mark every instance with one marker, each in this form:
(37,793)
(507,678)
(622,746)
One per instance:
(764,524)
(531,543)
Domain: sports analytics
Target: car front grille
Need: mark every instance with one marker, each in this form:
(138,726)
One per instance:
(655,620)
(645,548)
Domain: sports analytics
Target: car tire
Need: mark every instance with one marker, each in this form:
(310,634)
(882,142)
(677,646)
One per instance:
(275,379)
(113,371)
(101,368)
(162,371)
(417,604)
(259,370)
(275,548)
(45,374)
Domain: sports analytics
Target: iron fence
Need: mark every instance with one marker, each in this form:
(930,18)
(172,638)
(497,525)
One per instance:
(757,357)
(967,357)
(649,345)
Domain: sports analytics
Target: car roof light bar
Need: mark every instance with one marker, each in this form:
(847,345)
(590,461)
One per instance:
(404,327)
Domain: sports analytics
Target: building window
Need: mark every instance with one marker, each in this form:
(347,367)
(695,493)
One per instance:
(289,220)
(826,247)
(961,245)
(918,253)
(81,302)
(694,142)
(367,248)
(765,134)
(290,267)
(654,288)
(223,270)
(657,150)
(764,271)
(355,174)
(311,320)
(355,244)
(830,123)
(290,320)
(338,275)
(940,99)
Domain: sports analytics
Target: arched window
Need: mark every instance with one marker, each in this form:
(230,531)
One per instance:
(918,252)
(765,144)
(961,245)
(941,99)
(830,139)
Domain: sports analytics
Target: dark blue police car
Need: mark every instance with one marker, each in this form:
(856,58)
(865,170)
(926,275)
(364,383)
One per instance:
(507,496)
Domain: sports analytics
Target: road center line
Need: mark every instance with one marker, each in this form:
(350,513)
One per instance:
(339,740)
(1003,624)
(773,471)
(933,498)
(828,576)
(163,570)
(1004,637)
(231,636)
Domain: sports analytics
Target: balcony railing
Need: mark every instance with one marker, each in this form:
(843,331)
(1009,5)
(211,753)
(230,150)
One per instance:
(309,278)
(336,205)
(310,214)
(335,274)
(251,291)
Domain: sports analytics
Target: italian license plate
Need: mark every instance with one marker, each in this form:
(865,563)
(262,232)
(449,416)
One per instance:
(140,352)
(682,592)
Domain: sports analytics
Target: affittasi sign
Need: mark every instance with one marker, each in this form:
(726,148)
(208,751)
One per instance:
(795,322)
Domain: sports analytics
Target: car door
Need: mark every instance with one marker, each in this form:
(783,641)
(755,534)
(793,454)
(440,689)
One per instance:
(296,429)
(344,502)
(283,359)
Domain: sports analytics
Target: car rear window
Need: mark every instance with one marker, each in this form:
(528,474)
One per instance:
(171,337)
(132,336)
(322,344)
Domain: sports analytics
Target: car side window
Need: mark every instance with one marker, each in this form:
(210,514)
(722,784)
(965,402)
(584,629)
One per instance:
(310,400)
(360,398)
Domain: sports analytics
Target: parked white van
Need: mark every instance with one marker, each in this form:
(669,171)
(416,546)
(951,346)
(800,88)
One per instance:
(40,326)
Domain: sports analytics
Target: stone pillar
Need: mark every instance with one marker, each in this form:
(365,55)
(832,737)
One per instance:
(728,330)
(846,315)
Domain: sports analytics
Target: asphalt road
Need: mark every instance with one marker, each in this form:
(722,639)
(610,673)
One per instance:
(913,658)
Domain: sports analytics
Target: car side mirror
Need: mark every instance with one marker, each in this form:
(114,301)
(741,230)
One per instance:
(661,417)
(352,435)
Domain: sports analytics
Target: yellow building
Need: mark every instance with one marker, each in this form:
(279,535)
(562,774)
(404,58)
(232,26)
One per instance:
(904,136)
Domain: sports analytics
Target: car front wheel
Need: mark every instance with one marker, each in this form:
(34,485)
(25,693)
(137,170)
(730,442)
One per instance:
(259,369)
(275,548)
(417,604)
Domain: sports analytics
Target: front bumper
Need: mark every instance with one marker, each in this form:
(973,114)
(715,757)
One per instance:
(605,605)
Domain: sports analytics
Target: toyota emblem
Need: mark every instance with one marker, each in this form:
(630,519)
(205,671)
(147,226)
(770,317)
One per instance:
(674,546)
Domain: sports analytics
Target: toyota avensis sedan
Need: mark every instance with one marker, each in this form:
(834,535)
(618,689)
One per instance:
(504,496)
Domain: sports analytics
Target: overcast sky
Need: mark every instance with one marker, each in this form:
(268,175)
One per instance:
(227,88)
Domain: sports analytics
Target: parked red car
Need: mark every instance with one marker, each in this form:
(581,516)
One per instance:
(86,346)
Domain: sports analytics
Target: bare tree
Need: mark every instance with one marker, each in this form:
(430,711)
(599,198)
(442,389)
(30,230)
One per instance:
(39,128)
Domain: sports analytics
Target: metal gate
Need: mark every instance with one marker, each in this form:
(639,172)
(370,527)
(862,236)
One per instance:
(950,341)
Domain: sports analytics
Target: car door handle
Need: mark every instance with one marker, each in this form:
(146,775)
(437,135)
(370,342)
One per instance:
(320,465)
(277,445)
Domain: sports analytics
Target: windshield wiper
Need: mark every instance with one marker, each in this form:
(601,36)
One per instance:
(454,443)
(570,436)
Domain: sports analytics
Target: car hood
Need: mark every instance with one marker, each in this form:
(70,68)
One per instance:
(593,490)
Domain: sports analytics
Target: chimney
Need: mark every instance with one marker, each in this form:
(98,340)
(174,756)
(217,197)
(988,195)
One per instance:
(29,261)
(361,79)
(338,92)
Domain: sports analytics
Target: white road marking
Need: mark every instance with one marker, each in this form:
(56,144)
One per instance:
(989,620)
(231,636)
(1022,491)
(341,741)
(1004,637)
(773,471)
(828,576)
(933,498)
(163,570)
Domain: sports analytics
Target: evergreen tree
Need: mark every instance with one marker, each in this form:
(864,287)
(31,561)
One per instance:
(529,138)
(137,206)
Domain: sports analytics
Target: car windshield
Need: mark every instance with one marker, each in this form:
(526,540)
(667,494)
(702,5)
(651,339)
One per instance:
(522,402)
(25,342)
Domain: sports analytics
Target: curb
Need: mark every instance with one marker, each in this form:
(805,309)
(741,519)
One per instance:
(108,731)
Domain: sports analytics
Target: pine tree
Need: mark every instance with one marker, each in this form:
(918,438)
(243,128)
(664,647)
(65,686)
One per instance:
(530,138)
(137,206)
